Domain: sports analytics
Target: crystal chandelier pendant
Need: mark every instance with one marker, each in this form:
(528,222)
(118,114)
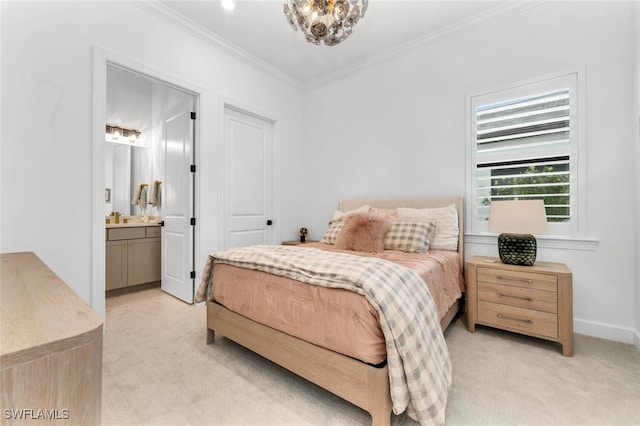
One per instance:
(325,21)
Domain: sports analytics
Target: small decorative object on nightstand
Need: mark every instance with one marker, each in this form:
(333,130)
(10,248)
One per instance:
(303,234)
(516,220)
(533,300)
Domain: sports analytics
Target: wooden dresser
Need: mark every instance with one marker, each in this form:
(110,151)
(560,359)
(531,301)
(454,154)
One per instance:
(534,300)
(51,348)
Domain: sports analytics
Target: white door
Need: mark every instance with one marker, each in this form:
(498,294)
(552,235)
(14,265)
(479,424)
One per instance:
(177,203)
(248,179)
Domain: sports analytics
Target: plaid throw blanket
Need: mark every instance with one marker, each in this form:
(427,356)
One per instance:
(417,355)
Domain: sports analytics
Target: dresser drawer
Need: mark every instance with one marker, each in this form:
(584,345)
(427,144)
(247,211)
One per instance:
(528,298)
(533,280)
(518,319)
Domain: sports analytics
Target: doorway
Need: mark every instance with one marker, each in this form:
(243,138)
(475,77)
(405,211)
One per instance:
(162,157)
(167,95)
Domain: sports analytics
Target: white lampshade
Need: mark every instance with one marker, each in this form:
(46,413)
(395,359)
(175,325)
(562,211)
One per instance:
(518,217)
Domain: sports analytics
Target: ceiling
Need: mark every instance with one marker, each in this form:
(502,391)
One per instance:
(259,30)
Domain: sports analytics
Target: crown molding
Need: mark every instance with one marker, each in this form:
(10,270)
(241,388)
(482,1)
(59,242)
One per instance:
(196,30)
(495,14)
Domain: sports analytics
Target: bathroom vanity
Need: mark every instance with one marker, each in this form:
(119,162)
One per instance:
(132,254)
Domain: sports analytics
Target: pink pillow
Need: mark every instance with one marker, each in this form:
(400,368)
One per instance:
(363,232)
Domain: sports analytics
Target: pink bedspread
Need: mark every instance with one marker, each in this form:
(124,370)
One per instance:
(440,269)
(339,320)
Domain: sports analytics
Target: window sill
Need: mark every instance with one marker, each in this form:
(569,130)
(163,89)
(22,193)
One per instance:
(565,243)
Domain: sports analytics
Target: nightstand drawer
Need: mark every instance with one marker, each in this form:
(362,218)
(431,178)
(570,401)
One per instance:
(518,319)
(521,297)
(519,279)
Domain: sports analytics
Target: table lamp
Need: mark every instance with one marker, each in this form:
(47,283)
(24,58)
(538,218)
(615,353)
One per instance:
(516,220)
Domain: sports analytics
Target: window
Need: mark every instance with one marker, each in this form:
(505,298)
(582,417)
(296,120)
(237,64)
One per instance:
(524,145)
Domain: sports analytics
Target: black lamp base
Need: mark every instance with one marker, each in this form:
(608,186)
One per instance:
(517,249)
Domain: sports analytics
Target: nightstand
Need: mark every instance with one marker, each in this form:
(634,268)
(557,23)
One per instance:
(296,242)
(533,300)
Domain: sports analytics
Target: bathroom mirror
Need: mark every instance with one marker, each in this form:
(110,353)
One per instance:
(129,106)
(118,178)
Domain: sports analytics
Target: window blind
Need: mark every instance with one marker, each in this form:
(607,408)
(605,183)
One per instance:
(523,152)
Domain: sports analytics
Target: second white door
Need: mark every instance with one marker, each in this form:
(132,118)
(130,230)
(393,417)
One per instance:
(248,177)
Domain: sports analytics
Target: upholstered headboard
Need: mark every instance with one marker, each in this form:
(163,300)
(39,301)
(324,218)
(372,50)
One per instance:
(414,203)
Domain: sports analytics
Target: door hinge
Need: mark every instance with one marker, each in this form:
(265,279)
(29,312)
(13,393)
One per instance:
(193,221)
(192,275)
(193,168)
(193,115)
(161,223)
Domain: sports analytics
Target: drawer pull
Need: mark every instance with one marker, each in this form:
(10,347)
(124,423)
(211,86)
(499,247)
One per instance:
(514,319)
(506,277)
(528,299)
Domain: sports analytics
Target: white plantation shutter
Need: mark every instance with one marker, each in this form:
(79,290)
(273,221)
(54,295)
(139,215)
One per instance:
(531,123)
(523,140)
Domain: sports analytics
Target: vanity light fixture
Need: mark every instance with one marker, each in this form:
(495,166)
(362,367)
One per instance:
(325,21)
(119,134)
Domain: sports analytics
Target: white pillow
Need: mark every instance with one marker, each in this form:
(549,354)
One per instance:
(338,215)
(446,220)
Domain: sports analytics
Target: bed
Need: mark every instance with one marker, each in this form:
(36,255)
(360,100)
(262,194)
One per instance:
(360,377)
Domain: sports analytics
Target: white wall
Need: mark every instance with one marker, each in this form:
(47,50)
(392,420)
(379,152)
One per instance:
(399,128)
(129,101)
(46,71)
(636,73)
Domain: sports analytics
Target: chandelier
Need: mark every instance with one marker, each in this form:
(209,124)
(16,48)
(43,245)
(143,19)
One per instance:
(328,21)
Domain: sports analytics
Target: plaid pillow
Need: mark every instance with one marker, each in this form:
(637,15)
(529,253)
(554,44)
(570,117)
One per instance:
(446,219)
(409,236)
(335,227)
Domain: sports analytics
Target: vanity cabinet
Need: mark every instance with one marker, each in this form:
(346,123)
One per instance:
(116,266)
(132,256)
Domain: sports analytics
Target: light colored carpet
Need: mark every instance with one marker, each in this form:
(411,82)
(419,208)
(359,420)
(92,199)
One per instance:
(159,371)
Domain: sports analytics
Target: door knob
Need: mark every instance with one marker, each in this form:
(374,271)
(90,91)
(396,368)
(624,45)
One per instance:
(269,222)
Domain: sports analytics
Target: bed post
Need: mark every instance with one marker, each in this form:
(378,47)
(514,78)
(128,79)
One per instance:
(380,405)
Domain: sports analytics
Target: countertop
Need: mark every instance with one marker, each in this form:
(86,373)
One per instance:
(131,225)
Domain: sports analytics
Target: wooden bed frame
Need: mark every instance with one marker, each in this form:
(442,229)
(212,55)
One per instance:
(361,384)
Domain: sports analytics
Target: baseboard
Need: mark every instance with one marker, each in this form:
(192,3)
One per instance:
(607,332)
